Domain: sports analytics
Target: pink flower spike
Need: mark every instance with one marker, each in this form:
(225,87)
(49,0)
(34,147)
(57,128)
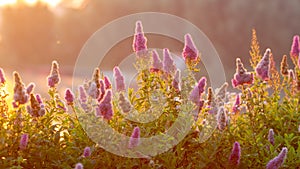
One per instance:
(69,97)
(139,41)
(105,106)
(263,67)
(190,52)
(295,48)
(135,138)
(2,76)
(119,79)
(30,88)
(276,162)
(156,64)
(23,141)
(234,159)
(168,62)
(107,83)
(86,152)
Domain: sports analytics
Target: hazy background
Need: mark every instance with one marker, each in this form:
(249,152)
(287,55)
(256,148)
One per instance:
(32,36)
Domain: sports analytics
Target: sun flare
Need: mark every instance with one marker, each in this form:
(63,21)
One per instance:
(50,3)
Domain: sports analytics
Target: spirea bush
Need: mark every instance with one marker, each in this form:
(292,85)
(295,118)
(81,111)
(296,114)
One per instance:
(257,126)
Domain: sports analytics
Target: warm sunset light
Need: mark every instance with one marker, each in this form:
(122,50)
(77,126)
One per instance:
(50,3)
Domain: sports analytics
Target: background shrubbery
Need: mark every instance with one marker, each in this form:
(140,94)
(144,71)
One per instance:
(263,119)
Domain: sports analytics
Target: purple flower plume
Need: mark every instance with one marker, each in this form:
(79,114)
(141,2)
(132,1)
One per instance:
(107,83)
(69,97)
(54,77)
(119,79)
(271,137)
(139,41)
(168,63)
(221,118)
(263,67)
(241,76)
(20,93)
(86,152)
(276,162)
(135,138)
(23,141)
(78,166)
(30,88)
(82,94)
(237,103)
(190,52)
(234,158)
(197,91)
(295,48)
(105,106)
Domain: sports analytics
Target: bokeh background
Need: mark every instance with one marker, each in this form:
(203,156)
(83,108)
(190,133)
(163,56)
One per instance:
(35,32)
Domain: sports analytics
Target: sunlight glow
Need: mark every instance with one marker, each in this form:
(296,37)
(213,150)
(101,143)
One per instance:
(50,3)
(7,2)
